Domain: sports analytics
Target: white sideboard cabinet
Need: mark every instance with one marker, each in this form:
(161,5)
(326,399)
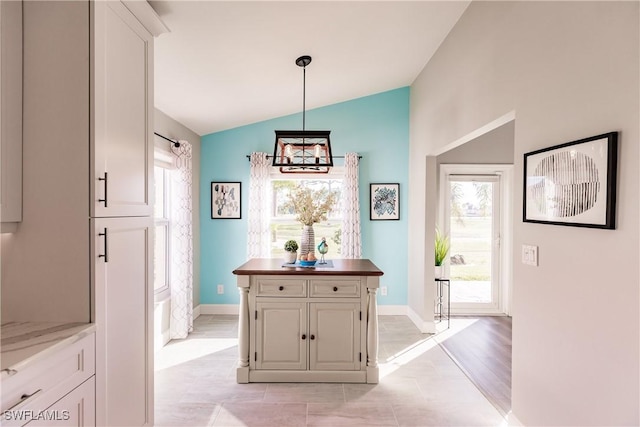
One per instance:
(308,325)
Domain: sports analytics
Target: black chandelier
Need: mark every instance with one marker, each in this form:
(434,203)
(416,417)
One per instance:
(303,151)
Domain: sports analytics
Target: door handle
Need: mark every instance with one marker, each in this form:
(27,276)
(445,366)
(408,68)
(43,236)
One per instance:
(24,398)
(105,255)
(313,337)
(106,185)
(304,337)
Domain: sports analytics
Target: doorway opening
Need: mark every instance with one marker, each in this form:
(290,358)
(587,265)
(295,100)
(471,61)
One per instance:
(475,213)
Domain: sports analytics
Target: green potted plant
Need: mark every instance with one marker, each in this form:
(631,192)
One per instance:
(290,251)
(441,251)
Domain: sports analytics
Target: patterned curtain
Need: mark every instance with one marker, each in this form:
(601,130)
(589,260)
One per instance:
(181,322)
(258,243)
(351,241)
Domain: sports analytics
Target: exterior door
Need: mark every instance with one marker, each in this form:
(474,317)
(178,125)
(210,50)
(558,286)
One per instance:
(472,218)
(122,272)
(281,335)
(334,329)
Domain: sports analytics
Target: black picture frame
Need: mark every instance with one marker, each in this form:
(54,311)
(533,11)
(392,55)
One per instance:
(226,200)
(572,184)
(384,201)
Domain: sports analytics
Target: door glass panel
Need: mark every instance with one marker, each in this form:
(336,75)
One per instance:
(471,232)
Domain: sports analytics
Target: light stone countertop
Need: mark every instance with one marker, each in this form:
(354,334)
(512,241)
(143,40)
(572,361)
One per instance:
(23,343)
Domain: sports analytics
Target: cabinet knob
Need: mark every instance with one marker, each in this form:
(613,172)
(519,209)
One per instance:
(313,337)
(304,337)
(335,289)
(281,288)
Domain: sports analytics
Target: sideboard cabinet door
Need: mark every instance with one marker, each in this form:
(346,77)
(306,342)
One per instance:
(336,327)
(280,327)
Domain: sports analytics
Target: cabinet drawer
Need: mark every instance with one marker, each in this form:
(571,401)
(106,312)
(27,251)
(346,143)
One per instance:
(335,288)
(37,386)
(281,288)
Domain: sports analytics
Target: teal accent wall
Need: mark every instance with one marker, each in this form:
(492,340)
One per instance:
(376,127)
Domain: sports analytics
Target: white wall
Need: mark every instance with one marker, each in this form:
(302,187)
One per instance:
(568,70)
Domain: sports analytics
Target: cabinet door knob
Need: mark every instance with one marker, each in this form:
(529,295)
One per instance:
(304,337)
(335,289)
(313,337)
(281,288)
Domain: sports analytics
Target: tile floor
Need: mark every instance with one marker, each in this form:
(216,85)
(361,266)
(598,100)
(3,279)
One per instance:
(195,385)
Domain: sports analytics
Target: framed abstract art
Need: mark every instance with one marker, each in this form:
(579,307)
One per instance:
(573,184)
(384,202)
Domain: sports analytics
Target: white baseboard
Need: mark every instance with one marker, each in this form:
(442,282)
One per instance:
(513,421)
(218,309)
(383,310)
(426,327)
(392,310)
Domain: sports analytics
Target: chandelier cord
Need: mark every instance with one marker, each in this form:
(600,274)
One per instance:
(304,95)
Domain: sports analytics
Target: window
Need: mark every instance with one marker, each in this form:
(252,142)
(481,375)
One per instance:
(283,224)
(162,232)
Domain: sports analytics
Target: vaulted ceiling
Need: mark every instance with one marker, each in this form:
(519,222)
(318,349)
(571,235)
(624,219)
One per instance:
(229,63)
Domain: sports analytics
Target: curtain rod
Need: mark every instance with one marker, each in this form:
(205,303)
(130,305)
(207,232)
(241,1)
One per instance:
(175,142)
(271,157)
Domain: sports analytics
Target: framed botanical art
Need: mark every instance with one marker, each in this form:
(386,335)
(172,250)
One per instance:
(384,202)
(573,184)
(225,200)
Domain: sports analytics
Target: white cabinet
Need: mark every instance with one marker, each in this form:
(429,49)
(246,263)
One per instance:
(54,390)
(122,251)
(307,329)
(88,103)
(122,83)
(281,335)
(334,340)
(78,408)
(10,114)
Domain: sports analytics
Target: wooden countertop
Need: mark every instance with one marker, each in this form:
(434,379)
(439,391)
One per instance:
(341,267)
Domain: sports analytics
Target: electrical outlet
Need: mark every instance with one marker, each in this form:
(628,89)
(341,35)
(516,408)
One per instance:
(383,291)
(530,255)
(220,289)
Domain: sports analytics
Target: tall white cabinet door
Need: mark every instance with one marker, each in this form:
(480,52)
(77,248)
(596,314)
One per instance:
(122,257)
(335,327)
(10,114)
(281,335)
(122,103)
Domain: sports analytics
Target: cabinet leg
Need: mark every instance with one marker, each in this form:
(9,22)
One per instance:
(243,337)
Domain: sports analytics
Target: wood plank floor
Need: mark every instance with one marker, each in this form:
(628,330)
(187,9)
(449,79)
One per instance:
(481,347)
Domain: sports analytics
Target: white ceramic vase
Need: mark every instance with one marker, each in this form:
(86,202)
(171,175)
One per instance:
(307,240)
(439,271)
(290,257)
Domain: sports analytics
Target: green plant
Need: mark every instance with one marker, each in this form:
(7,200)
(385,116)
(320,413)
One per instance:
(441,247)
(291,246)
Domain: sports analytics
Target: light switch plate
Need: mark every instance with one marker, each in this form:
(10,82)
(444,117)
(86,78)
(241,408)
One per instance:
(530,255)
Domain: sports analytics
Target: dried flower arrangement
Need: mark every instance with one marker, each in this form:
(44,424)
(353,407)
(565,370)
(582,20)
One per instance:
(311,206)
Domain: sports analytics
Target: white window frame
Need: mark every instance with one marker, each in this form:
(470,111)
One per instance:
(164,159)
(336,173)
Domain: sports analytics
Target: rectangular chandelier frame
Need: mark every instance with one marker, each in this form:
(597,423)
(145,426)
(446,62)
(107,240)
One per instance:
(307,151)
